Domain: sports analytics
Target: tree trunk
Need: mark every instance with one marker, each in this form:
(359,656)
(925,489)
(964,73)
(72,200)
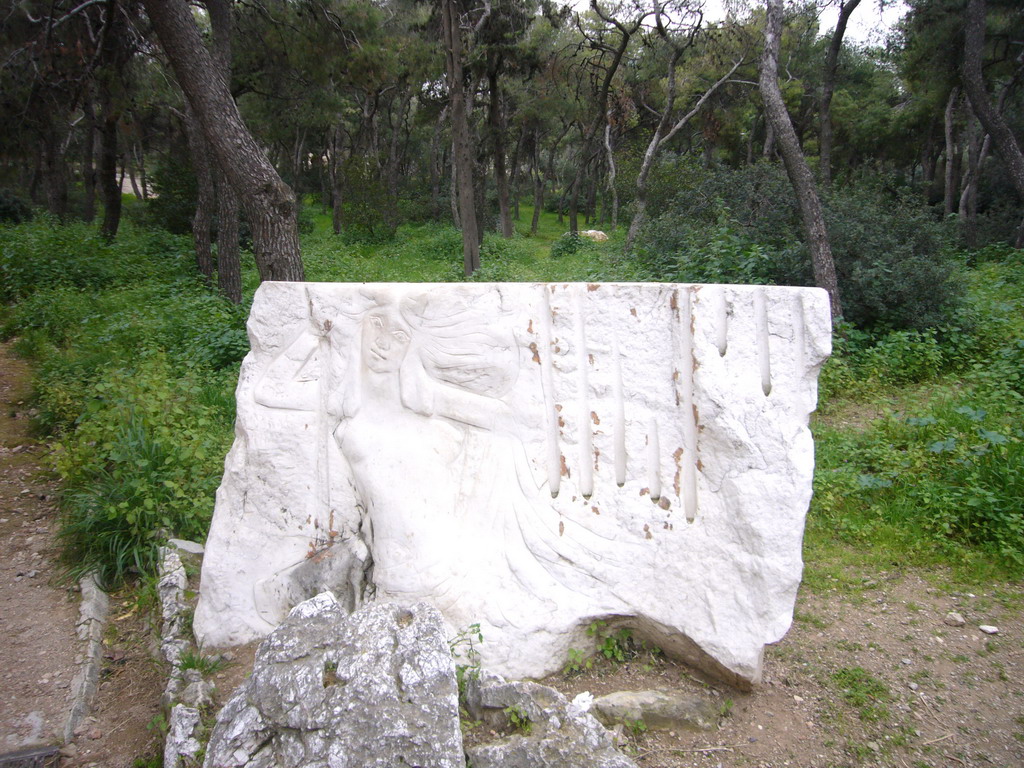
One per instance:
(952,168)
(828,85)
(437,165)
(612,189)
(516,175)
(463,157)
(110,190)
(88,160)
(268,201)
(202,220)
(497,128)
(54,173)
(994,123)
(967,211)
(796,166)
(768,151)
(229,263)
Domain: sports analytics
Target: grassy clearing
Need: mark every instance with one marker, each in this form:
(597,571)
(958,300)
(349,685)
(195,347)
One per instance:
(920,448)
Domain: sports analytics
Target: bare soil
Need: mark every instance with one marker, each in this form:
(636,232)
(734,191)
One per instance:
(869,675)
(40,653)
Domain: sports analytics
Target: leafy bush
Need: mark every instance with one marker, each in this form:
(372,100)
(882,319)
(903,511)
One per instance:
(135,366)
(566,245)
(894,262)
(175,192)
(678,250)
(141,463)
(13,210)
(42,254)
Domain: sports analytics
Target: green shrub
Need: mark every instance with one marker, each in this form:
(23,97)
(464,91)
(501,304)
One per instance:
(679,250)
(566,245)
(44,254)
(894,262)
(173,204)
(141,463)
(13,210)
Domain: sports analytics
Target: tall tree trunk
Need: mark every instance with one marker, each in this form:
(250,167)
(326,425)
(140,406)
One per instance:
(537,176)
(952,168)
(994,123)
(139,152)
(612,189)
(796,166)
(828,84)
(268,201)
(54,172)
(110,189)
(202,219)
(768,151)
(497,130)
(337,174)
(437,165)
(516,175)
(89,159)
(229,261)
(463,156)
(967,210)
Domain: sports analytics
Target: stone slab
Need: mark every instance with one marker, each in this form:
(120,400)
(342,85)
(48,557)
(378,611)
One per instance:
(526,457)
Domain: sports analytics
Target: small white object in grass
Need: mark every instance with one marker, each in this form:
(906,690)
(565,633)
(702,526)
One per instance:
(988,629)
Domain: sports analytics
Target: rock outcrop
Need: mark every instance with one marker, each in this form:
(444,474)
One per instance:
(372,689)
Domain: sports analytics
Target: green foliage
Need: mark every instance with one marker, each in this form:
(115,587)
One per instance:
(566,245)
(578,663)
(464,646)
(367,208)
(684,251)
(135,364)
(617,645)
(863,691)
(205,665)
(142,463)
(894,262)
(42,254)
(893,259)
(173,204)
(519,719)
(13,210)
(636,727)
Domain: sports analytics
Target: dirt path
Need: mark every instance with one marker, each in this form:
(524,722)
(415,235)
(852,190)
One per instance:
(40,654)
(37,618)
(870,674)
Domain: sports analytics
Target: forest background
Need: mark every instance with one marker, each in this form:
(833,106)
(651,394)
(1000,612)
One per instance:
(349,140)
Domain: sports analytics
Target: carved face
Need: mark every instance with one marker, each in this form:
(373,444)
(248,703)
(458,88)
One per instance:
(385,340)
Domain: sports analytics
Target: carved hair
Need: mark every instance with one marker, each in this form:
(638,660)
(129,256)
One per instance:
(464,346)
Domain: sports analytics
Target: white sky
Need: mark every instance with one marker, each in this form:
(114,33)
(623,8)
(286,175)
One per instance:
(868,23)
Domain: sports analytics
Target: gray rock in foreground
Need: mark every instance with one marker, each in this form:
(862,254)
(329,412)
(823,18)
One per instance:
(561,734)
(375,688)
(659,710)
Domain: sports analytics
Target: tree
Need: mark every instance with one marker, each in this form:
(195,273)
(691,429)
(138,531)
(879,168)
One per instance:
(668,124)
(269,202)
(792,157)
(828,84)
(974,84)
(461,148)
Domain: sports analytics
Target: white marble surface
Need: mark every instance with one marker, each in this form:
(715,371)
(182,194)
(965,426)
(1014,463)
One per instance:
(528,457)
